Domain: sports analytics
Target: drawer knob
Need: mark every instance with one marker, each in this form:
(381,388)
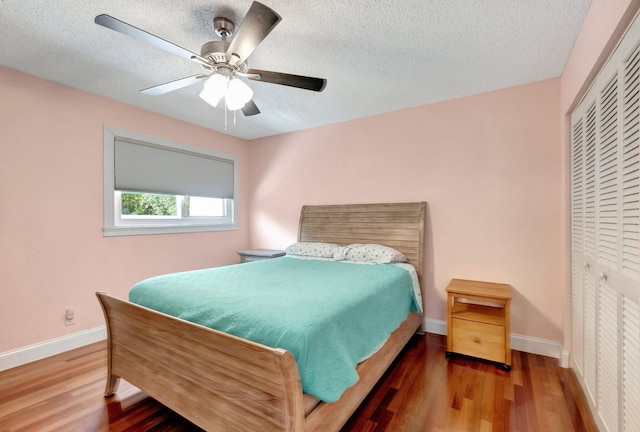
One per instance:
(476,339)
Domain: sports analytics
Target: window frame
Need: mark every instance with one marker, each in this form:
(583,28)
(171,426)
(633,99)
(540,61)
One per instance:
(113,225)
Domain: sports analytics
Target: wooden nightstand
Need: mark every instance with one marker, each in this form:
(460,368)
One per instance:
(478,315)
(259,254)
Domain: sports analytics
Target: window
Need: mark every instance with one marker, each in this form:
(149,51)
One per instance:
(154,186)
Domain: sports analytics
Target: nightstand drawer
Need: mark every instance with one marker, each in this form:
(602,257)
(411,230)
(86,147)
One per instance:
(477,339)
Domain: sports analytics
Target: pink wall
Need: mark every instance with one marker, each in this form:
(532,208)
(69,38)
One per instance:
(488,166)
(493,168)
(603,27)
(52,252)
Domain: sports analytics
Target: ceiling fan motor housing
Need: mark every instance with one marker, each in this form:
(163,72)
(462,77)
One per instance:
(216,51)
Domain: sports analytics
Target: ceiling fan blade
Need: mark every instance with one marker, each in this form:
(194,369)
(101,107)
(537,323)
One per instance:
(256,25)
(299,81)
(134,32)
(250,109)
(173,85)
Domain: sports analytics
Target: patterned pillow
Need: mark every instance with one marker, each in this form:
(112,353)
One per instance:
(312,249)
(370,253)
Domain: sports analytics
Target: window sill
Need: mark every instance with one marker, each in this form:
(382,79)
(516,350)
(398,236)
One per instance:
(159,229)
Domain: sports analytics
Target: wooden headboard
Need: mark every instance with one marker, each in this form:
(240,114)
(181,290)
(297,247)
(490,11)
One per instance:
(400,226)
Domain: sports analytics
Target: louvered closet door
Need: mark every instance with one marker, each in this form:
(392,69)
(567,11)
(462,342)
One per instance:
(630,259)
(590,281)
(605,236)
(577,243)
(609,241)
(584,242)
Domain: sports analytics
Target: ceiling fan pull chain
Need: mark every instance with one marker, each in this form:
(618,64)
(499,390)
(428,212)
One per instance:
(225,113)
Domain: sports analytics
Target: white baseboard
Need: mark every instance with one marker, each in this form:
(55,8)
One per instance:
(28,354)
(20,356)
(528,344)
(435,326)
(534,345)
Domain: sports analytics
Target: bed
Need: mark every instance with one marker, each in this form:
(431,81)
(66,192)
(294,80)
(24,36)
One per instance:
(222,382)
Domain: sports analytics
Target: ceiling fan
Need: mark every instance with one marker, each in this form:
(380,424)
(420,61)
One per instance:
(224,61)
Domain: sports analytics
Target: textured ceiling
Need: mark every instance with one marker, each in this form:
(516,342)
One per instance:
(377,56)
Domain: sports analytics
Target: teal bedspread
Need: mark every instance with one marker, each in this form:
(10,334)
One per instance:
(330,315)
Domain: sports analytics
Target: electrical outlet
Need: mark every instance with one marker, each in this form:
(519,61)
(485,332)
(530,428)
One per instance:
(69,317)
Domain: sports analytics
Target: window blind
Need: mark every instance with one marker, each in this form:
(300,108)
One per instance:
(142,167)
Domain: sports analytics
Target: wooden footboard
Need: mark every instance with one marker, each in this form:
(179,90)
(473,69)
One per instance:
(217,381)
(222,382)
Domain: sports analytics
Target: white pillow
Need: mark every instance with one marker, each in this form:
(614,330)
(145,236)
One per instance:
(312,249)
(370,253)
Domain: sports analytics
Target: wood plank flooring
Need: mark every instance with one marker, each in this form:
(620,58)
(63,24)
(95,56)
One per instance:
(422,391)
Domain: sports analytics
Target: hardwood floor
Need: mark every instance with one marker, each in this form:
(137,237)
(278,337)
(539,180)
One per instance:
(425,391)
(422,391)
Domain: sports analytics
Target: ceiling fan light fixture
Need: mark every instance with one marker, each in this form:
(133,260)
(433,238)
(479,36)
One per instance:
(238,94)
(215,88)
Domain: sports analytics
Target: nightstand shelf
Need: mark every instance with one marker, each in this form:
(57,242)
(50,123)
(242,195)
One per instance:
(478,320)
(259,254)
(479,313)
